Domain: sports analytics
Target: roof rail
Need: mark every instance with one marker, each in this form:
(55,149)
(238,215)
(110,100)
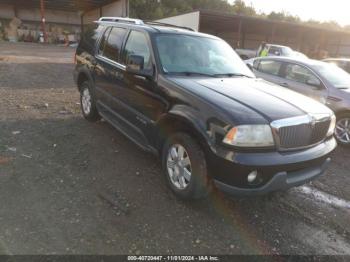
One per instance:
(168,25)
(121,20)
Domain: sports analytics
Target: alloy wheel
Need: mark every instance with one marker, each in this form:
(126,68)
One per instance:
(86,101)
(179,166)
(342,130)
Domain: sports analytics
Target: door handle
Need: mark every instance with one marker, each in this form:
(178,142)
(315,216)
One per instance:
(284,84)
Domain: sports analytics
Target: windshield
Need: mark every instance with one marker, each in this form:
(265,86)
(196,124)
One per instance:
(287,51)
(202,55)
(334,74)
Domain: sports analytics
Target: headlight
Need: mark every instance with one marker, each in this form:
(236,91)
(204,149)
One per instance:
(332,126)
(250,136)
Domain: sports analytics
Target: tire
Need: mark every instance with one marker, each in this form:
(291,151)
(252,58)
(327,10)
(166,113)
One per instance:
(187,187)
(342,127)
(88,103)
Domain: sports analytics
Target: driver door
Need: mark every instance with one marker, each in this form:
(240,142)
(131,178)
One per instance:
(302,80)
(142,93)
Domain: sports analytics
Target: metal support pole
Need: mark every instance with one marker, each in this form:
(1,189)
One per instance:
(82,22)
(273,34)
(42,9)
(127,7)
(15,10)
(239,40)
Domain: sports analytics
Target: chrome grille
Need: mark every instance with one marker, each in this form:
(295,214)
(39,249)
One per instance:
(301,132)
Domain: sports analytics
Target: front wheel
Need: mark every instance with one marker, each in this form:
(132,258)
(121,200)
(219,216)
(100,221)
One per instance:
(185,167)
(342,130)
(88,103)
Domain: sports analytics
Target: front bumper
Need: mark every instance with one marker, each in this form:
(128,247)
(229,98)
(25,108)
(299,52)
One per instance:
(277,170)
(281,181)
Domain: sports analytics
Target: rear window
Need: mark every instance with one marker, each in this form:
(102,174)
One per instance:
(274,51)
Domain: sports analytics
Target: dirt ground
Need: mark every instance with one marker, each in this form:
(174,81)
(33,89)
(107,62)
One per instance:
(71,187)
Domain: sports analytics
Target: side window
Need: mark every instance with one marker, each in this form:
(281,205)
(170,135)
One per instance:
(274,51)
(114,43)
(103,41)
(301,74)
(270,67)
(137,44)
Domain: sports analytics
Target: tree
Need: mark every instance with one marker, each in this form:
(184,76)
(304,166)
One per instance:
(239,7)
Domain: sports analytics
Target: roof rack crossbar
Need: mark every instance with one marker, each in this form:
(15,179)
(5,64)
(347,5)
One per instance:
(121,20)
(168,25)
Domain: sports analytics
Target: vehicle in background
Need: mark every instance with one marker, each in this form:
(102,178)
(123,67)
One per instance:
(245,54)
(273,50)
(322,81)
(343,63)
(277,50)
(300,55)
(188,98)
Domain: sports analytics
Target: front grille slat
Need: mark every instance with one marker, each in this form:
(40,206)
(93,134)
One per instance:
(302,135)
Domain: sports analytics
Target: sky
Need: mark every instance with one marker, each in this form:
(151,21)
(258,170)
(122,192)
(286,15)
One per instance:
(322,10)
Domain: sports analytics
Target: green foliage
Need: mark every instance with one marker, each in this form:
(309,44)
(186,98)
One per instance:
(156,9)
(239,7)
(283,16)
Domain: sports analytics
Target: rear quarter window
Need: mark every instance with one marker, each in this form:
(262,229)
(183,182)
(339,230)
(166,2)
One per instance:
(90,35)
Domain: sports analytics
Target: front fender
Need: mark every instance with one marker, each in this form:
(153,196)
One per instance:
(207,128)
(83,72)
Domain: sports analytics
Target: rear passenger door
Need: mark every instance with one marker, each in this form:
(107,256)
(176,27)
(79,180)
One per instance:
(109,71)
(301,79)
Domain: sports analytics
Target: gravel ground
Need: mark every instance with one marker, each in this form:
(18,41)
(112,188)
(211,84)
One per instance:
(71,187)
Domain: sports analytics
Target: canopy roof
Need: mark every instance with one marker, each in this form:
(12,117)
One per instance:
(63,5)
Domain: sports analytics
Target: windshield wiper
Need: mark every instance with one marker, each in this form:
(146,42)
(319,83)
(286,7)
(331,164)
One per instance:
(232,75)
(190,73)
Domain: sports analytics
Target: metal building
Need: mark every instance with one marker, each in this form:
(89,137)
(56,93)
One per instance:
(56,18)
(248,32)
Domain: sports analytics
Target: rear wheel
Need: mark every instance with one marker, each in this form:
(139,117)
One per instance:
(342,130)
(185,167)
(88,103)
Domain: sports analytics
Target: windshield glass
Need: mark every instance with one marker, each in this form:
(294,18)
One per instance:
(201,55)
(335,75)
(287,51)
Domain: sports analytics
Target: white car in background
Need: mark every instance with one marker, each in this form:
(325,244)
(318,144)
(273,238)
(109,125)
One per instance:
(319,80)
(273,50)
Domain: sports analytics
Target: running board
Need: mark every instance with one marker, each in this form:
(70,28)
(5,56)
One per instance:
(124,127)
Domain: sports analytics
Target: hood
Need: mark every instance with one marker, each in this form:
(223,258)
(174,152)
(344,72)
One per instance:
(269,100)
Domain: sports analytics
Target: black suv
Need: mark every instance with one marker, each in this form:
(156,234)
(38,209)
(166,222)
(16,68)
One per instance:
(189,98)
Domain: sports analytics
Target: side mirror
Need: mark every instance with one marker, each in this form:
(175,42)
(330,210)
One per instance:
(135,63)
(135,66)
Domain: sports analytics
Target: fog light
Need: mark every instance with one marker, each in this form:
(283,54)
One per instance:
(252,176)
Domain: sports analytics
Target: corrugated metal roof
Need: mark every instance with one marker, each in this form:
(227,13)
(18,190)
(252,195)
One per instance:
(63,5)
